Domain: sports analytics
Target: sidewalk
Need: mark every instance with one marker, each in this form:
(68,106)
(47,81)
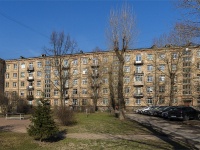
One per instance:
(187,133)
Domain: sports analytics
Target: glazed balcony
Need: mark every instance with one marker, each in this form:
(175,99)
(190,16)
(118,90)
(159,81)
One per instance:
(30,88)
(30,97)
(30,78)
(140,62)
(30,69)
(138,95)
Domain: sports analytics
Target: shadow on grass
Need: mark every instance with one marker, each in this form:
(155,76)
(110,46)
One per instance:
(6,128)
(61,135)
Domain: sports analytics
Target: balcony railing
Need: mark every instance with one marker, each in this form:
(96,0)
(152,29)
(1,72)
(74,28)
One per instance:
(138,95)
(30,97)
(30,88)
(138,83)
(138,72)
(30,78)
(30,69)
(140,62)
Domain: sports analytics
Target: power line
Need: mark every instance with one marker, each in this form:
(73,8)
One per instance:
(22,24)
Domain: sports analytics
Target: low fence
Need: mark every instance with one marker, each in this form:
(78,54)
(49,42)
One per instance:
(19,116)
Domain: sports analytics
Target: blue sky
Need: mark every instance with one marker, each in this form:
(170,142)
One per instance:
(25,26)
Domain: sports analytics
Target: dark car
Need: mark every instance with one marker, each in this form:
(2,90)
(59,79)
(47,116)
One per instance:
(183,113)
(164,112)
(158,110)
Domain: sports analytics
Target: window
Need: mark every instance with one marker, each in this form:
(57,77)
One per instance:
(22,93)
(161,67)
(22,84)
(75,62)
(56,73)
(149,89)
(138,57)
(84,91)
(198,65)
(22,74)
(126,79)
(56,62)
(126,90)
(75,72)
(149,67)
(38,83)
(105,70)
(105,80)
(14,75)
(138,69)
(149,101)
(149,56)
(14,84)
(174,55)
(85,70)
(198,53)
(38,93)
(161,56)
(175,100)
(127,58)
(174,67)
(55,92)
(84,81)
(15,66)
(127,101)
(22,65)
(65,63)
(75,102)
(105,101)
(162,78)
(105,90)
(138,90)
(7,84)
(95,61)
(75,81)
(47,62)
(39,64)
(186,58)
(149,78)
(105,59)
(126,68)
(138,101)
(75,91)
(7,67)
(161,100)
(56,82)
(55,102)
(138,78)
(84,61)
(84,101)
(7,75)
(161,88)
(39,73)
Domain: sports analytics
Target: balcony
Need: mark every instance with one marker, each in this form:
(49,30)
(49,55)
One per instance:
(140,62)
(95,75)
(138,95)
(30,78)
(30,69)
(66,67)
(138,72)
(30,88)
(138,83)
(66,96)
(29,97)
(95,65)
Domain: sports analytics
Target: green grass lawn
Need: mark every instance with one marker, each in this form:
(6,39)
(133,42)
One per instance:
(97,123)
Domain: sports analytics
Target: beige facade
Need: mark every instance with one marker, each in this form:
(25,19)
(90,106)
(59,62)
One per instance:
(148,75)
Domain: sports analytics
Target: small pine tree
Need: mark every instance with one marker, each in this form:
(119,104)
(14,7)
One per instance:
(43,125)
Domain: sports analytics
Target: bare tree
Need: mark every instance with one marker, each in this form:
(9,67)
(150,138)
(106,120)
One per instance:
(61,47)
(120,35)
(190,26)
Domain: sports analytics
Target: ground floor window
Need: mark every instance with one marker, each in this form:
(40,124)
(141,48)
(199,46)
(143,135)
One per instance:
(55,102)
(75,102)
(84,101)
(105,101)
(127,101)
(30,102)
(149,101)
(138,101)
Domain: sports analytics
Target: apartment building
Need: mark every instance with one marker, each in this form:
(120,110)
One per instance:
(2,73)
(153,76)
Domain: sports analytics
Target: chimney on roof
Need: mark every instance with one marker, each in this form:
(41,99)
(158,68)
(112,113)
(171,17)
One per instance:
(43,55)
(21,57)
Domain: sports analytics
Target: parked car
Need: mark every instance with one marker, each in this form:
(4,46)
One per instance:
(158,110)
(183,113)
(164,112)
(147,110)
(139,111)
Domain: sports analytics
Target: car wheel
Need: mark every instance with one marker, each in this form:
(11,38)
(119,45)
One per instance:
(186,118)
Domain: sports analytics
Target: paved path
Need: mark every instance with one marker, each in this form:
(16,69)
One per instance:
(176,129)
